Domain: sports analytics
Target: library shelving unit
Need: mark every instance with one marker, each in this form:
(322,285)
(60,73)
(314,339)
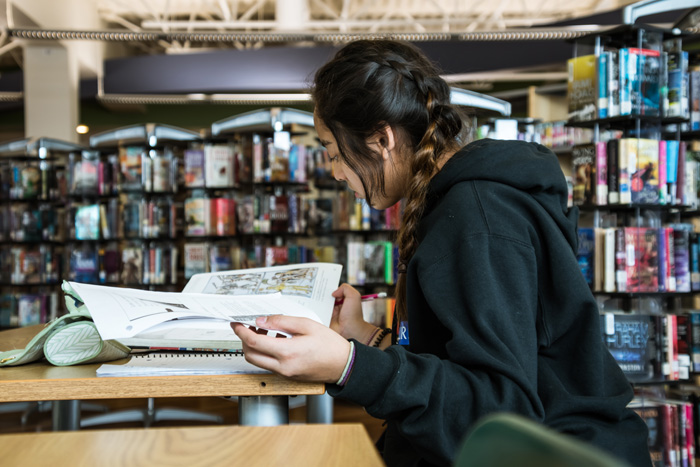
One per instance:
(132,208)
(32,196)
(246,184)
(636,186)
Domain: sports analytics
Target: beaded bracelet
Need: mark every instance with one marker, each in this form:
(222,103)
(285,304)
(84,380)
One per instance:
(380,337)
(374,334)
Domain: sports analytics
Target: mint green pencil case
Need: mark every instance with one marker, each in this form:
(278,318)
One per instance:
(71,339)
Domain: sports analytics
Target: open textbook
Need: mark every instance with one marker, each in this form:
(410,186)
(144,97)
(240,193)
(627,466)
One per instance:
(199,317)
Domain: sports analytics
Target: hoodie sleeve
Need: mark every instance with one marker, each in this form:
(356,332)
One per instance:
(482,294)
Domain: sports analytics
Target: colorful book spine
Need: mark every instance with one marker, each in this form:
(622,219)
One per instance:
(601,174)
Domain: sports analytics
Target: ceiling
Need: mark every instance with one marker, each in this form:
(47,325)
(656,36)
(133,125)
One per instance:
(279,19)
(185,46)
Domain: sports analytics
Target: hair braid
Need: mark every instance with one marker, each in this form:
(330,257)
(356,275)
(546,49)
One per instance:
(424,166)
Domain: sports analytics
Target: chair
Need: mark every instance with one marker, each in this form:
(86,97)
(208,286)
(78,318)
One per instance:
(503,439)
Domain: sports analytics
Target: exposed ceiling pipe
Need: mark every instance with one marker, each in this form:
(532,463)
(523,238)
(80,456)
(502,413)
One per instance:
(214,37)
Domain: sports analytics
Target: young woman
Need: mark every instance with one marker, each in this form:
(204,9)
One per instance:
(498,315)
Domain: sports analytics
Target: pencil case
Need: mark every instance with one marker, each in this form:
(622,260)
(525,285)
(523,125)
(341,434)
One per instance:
(71,339)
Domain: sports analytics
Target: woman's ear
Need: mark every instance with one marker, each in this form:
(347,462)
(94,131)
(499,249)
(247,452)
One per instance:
(386,140)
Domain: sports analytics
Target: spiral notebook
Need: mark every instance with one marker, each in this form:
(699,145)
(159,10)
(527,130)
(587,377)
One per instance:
(182,363)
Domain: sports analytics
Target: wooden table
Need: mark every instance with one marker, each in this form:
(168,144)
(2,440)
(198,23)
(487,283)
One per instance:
(263,397)
(289,445)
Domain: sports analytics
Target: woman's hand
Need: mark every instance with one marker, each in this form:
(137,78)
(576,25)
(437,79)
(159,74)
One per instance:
(314,353)
(347,317)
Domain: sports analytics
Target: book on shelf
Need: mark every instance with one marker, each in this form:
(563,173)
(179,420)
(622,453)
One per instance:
(677,72)
(602,91)
(279,213)
(586,254)
(689,191)
(643,160)
(26,181)
(694,100)
(653,415)
(613,85)
(222,257)
(276,256)
(672,162)
(84,175)
(245,215)
(31,309)
(84,264)
(130,166)
(244,161)
(694,261)
(194,168)
(197,216)
(8,311)
(613,171)
(132,265)
(223,216)
(219,165)
(196,259)
(642,246)
(584,160)
(681,252)
(635,342)
(640,74)
(582,88)
(200,316)
(109,263)
(663,167)
(164,168)
(87,222)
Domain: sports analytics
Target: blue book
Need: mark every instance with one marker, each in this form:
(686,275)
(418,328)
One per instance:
(602,84)
(632,340)
(672,151)
(585,253)
(694,261)
(624,78)
(677,84)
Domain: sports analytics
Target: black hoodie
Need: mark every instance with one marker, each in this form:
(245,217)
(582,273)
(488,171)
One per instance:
(500,318)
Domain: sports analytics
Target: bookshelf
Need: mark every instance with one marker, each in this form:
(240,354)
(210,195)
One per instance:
(32,195)
(636,185)
(133,205)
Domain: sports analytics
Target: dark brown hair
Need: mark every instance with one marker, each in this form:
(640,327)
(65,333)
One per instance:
(371,84)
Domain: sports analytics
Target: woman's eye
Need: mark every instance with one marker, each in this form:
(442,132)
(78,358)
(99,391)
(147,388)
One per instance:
(333,158)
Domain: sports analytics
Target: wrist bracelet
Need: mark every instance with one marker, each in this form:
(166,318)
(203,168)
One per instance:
(380,337)
(348,366)
(371,338)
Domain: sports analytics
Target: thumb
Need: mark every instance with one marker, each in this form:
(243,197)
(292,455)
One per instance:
(288,324)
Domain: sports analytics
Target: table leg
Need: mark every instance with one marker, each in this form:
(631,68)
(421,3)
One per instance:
(66,415)
(263,410)
(319,409)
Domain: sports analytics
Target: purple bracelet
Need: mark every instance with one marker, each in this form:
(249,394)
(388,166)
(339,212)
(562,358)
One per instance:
(348,368)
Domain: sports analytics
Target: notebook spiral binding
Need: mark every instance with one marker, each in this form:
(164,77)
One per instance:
(203,354)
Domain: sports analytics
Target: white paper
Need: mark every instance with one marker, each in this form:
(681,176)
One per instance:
(121,312)
(308,284)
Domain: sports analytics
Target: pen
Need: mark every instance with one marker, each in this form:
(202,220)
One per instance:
(364,298)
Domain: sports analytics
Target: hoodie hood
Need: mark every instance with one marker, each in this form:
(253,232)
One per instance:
(529,167)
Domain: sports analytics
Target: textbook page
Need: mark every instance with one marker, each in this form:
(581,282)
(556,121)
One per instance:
(309,284)
(121,312)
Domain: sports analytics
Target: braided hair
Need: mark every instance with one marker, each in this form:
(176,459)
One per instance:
(369,85)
